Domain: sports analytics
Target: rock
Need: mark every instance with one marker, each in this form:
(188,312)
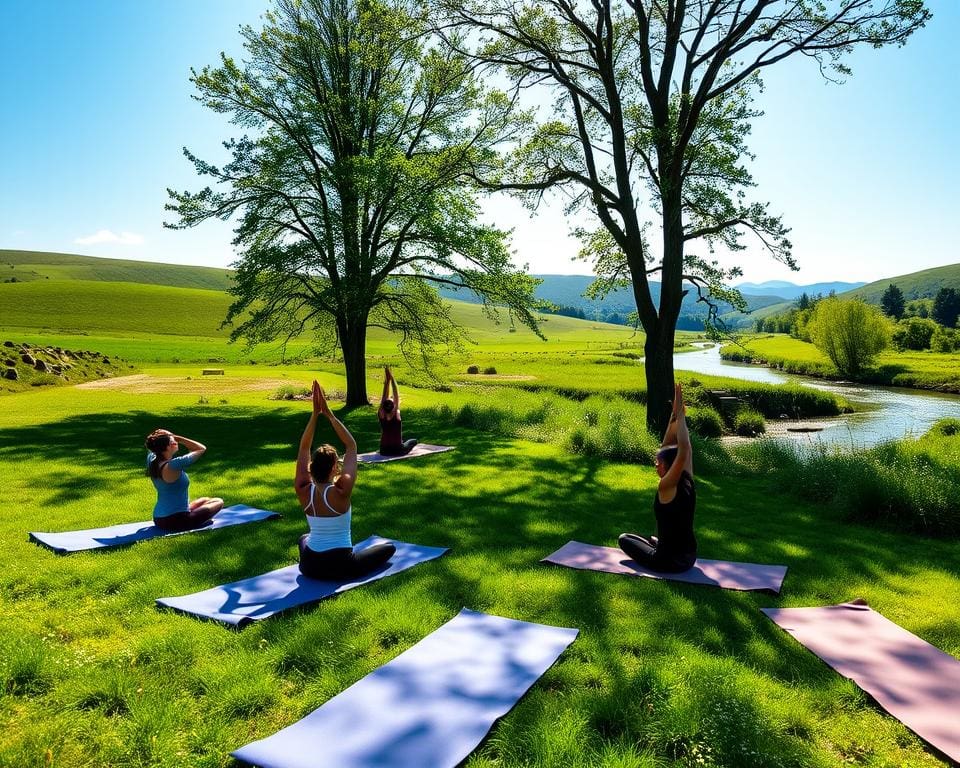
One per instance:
(28,358)
(41,366)
(11,373)
(56,369)
(9,344)
(10,363)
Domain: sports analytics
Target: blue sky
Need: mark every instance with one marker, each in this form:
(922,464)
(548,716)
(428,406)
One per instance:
(96,108)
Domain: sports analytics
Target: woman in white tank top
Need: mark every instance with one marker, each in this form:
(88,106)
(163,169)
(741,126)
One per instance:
(324,487)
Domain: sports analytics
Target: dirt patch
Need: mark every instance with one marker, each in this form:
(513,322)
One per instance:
(144,384)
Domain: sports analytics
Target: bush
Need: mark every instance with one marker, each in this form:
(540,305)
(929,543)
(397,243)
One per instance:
(473,369)
(705,422)
(914,333)
(748,423)
(490,371)
(944,340)
(849,332)
(945,428)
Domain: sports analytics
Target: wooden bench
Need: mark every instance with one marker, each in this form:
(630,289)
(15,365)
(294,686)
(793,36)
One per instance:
(213,371)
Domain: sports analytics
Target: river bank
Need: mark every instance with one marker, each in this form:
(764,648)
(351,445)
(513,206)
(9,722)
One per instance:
(911,370)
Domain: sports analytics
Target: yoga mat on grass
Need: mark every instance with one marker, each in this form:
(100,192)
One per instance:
(430,706)
(717,573)
(130,533)
(260,597)
(420,449)
(914,681)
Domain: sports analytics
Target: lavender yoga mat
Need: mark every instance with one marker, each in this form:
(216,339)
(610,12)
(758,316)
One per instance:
(420,449)
(431,706)
(129,533)
(260,597)
(914,681)
(718,573)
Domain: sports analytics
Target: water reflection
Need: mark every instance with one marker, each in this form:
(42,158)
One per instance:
(883,413)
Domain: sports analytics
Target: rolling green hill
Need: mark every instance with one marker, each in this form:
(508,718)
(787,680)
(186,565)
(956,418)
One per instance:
(915,285)
(88,307)
(31,266)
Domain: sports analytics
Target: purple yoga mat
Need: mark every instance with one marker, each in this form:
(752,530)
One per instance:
(130,533)
(914,681)
(260,597)
(718,573)
(420,449)
(429,707)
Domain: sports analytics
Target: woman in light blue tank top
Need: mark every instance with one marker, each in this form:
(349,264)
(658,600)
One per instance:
(324,487)
(174,511)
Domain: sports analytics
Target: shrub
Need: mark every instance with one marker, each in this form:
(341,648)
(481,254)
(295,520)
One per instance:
(913,333)
(850,332)
(748,423)
(705,422)
(490,371)
(473,369)
(944,340)
(945,428)
(291,392)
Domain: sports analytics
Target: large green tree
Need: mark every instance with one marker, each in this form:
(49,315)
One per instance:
(649,109)
(352,193)
(850,332)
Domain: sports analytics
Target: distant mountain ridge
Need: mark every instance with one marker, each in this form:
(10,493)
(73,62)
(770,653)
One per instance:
(792,291)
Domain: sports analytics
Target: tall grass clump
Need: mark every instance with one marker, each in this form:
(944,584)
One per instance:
(748,423)
(792,400)
(612,428)
(910,484)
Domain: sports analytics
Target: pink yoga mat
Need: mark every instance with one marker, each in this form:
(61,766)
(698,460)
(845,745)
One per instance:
(718,573)
(421,449)
(914,681)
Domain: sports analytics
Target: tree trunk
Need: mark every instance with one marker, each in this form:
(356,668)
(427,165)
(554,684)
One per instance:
(353,343)
(659,344)
(658,364)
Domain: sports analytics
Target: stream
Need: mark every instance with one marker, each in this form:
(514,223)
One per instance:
(882,413)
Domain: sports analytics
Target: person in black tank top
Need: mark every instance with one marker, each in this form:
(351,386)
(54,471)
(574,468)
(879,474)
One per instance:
(391,429)
(674,548)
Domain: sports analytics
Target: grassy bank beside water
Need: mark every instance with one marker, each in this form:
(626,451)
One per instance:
(919,370)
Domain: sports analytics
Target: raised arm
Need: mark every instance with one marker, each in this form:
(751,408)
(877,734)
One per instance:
(684,459)
(348,472)
(193,447)
(670,434)
(301,479)
(396,393)
(386,382)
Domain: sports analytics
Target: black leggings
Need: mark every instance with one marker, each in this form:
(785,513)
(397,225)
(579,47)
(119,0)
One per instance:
(399,450)
(342,562)
(185,521)
(644,552)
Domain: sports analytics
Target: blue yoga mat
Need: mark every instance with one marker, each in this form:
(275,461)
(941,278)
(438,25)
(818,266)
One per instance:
(260,597)
(130,533)
(431,706)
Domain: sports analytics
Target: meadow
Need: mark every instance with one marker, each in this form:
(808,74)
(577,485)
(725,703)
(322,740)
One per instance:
(93,674)
(551,447)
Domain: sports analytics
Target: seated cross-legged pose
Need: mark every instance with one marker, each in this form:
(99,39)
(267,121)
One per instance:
(174,511)
(324,487)
(391,430)
(674,548)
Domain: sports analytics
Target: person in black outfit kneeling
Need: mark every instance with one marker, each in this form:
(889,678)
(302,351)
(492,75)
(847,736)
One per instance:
(674,548)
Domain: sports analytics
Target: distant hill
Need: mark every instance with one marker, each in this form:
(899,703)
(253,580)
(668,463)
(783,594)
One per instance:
(28,266)
(915,285)
(791,291)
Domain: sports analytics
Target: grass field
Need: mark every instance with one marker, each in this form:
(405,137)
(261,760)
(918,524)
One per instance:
(920,370)
(550,448)
(92,674)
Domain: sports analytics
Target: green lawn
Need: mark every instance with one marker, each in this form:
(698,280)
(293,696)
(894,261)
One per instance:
(663,674)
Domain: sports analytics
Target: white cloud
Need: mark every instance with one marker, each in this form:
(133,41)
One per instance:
(106,236)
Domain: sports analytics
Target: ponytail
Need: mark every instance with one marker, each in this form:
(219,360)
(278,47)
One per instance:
(156,443)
